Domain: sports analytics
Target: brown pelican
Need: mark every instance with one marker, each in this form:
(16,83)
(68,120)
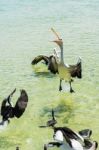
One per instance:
(66,72)
(8,111)
(49,61)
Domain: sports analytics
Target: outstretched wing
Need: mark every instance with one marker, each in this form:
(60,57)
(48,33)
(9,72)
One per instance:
(86,133)
(21,104)
(40,58)
(4,107)
(76,70)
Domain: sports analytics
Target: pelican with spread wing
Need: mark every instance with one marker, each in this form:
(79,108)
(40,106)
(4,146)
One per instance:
(66,72)
(8,111)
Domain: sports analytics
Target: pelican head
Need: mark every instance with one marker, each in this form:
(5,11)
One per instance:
(59,42)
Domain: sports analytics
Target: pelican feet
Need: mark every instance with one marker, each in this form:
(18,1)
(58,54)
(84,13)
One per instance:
(71,90)
(72,80)
(60,88)
(60,85)
(17,148)
(45,147)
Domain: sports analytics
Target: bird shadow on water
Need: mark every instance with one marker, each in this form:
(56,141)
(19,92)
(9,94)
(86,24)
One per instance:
(41,71)
(64,110)
(43,74)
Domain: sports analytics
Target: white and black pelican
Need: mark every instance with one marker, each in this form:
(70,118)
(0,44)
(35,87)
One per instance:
(67,139)
(66,72)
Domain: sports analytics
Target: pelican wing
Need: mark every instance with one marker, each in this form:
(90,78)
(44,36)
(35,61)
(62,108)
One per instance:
(75,70)
(86,133)
(52,65)
(88,144)
(4,108)
(21,104)
(69,134)
(40,58)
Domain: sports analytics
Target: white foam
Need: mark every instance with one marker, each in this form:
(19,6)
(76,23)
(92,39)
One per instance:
(29,140)
(3,126)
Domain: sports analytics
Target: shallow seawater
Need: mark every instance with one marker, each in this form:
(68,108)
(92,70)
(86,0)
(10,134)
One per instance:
(24,34)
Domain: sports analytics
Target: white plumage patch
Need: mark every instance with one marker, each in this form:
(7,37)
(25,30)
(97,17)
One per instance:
(59,136)
(76,145)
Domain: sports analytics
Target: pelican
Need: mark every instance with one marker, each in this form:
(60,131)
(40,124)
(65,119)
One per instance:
(49,61)
(67,139)
(8,111)
(66,72)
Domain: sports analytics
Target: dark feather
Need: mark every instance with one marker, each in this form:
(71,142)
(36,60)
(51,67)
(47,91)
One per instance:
(40,58)
(21,104)
(76,70)
(7,111)
(52,65)
(68,134)
(85,133)
(88,144)
(50,61)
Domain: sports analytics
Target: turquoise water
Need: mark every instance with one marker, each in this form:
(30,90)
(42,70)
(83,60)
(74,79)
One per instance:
(24,34)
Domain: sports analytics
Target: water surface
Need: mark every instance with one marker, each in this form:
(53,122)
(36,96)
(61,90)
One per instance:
(24,34)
